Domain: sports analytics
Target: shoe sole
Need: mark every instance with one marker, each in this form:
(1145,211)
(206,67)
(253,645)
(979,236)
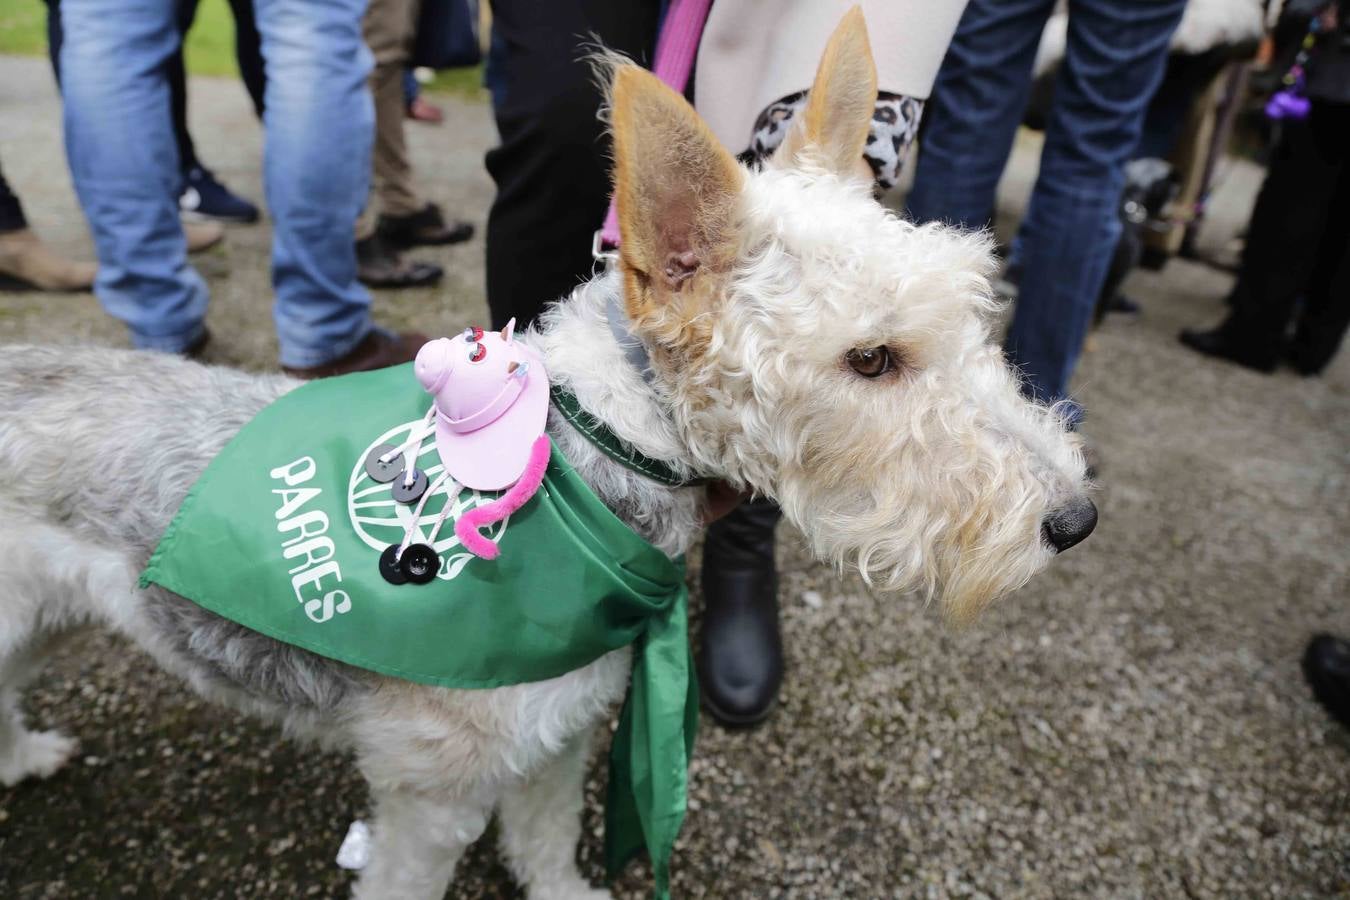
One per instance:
(401,283)
(12,284)
(201,217)
(455,237)
(736,721)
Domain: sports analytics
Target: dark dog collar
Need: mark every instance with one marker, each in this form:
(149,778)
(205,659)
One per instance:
(608,443)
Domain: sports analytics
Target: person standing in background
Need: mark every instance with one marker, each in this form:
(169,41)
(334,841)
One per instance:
(756,60)
(396,216)
(319,126)
(551,165)
(1115,53)
(1298,240)
(201,196)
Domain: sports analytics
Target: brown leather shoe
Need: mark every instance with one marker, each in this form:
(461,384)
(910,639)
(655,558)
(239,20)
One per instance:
(377,350)
(426,227)
(379,264)
(26,263)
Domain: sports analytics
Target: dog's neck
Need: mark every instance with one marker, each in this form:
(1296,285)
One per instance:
(584,355)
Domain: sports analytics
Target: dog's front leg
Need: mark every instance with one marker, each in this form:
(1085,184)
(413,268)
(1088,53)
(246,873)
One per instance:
(418,840)
(541,824)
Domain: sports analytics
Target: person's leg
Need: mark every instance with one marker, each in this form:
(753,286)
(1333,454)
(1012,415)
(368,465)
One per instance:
(124,163)
(1113,62)
(316,168)
(248,53)
(976,107)
(55,38)
(187,153)
(552,165)
(1287,225)
(406,219)
(1325,316)
(388,29)
(201,195)
(11,211)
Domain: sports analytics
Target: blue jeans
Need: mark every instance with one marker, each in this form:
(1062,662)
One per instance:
(319,127)
(1113,63)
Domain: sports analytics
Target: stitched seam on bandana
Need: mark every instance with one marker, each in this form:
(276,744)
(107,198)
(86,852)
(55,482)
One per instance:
(604,440)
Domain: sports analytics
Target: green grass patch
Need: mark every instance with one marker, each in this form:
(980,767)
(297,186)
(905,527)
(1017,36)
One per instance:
(210,44)
(23,27)
(467,83)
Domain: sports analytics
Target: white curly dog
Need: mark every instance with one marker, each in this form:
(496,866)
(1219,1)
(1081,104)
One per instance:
(804,343)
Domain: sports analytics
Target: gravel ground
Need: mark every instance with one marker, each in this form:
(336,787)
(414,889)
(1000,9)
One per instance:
(1133,724)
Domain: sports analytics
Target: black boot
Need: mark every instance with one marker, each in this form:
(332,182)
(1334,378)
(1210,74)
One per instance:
(1326,665)
(740,659)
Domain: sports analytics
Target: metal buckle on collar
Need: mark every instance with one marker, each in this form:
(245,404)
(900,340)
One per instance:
(599,253)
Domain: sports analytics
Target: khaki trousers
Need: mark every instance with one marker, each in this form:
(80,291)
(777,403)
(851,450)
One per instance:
(389,29)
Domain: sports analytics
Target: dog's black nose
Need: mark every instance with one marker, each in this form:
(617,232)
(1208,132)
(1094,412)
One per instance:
(1069,524)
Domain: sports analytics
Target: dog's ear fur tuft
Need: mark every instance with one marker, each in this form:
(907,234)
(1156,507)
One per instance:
(833,128)
(676,188)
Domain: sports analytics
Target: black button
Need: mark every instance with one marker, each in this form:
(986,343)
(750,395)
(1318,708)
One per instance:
(410,493)
(420,563)
(389,566)
(384,472)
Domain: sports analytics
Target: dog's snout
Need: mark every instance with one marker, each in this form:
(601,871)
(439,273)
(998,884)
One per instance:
(1069,524)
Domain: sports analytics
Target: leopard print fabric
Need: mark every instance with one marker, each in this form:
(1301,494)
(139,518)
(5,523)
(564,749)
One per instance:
(895,123)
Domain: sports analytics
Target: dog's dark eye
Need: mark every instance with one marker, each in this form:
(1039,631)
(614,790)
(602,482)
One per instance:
(871,362)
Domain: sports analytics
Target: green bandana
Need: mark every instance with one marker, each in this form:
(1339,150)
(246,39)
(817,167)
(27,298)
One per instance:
(284,530)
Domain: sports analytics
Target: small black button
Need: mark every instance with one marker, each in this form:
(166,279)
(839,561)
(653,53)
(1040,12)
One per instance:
(420,563)
(389,566)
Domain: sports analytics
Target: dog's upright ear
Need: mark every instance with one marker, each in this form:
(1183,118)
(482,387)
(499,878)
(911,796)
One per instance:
(676,189)
(833,128)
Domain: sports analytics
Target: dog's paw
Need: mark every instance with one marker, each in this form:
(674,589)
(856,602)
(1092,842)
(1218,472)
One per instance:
(36,754)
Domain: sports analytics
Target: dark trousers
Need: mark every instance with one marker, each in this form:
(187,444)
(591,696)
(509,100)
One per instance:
(552,165)
(11,212)
(1298,245)
(248,53)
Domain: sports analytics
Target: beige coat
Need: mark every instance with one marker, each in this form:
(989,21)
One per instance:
(755,51)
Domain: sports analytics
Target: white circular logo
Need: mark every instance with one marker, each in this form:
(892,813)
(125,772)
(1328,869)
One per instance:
(380,520)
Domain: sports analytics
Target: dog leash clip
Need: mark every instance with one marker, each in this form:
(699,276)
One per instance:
(600,253)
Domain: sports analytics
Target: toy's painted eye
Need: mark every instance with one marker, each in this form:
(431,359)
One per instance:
(478,353)
(473,335)
(871,362)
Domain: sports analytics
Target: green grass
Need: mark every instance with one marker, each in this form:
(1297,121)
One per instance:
(23,27)
(210,43)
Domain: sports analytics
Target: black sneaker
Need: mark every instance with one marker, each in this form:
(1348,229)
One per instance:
(205,198)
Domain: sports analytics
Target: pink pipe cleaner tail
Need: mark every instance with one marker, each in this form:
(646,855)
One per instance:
(468,525)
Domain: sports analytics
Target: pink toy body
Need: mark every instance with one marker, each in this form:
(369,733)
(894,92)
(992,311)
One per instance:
(491,398)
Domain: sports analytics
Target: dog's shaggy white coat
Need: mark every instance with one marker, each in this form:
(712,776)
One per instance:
(936,476)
